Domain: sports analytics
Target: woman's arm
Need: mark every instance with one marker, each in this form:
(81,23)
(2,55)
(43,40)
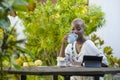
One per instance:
(104,65)
(62,50)
(92,49)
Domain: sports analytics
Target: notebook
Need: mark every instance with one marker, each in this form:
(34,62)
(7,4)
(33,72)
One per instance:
(92,61)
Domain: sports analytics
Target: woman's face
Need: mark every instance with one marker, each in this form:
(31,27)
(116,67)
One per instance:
(77,29)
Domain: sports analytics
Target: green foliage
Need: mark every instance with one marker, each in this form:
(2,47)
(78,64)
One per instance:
(97,40)
(94,19)
(8,42)
(48,23)
(20,5)
(108,50)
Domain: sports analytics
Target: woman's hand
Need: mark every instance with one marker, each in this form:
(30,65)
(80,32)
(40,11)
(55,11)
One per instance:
(62,51)
(65,39)
(76,63)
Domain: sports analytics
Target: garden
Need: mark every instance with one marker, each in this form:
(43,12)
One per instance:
(45,25)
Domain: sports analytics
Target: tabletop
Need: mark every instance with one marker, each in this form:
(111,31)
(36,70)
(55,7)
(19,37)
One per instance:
(50,70)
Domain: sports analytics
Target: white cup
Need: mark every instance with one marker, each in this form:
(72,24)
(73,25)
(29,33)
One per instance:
(72,37)
(61,63)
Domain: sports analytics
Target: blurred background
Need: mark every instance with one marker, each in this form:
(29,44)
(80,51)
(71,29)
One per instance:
(110,33)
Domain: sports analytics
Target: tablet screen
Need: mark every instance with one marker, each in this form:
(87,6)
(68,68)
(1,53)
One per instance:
(92,61)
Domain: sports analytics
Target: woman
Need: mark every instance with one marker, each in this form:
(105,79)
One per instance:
(75,51)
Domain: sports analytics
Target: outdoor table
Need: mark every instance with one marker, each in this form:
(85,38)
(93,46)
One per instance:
(66,72)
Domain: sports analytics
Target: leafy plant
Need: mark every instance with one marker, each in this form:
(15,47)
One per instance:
(8,37)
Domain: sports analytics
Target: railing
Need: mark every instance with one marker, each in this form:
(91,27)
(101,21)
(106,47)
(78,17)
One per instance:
(66,72)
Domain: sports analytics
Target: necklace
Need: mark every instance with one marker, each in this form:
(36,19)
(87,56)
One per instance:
(72,49)
(73,52)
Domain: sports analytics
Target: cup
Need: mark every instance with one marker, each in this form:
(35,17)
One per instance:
(61,61)
(72,37)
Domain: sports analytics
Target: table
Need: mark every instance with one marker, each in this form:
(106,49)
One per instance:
(66,72)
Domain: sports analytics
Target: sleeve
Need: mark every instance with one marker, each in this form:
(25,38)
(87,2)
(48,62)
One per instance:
(91,49)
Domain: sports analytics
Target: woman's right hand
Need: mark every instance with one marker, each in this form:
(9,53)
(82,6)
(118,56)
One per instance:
(65,39)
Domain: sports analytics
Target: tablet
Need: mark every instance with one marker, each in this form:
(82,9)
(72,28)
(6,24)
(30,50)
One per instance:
(92,61)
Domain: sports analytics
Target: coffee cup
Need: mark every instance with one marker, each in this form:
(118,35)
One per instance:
(61,61)
(72,37)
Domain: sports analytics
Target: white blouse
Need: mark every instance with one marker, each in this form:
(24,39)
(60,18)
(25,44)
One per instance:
(88,48)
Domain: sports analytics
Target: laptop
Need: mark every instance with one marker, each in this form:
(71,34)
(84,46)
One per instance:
(92,61)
